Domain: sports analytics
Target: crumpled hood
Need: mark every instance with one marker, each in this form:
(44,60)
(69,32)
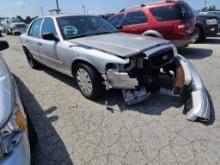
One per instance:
(6,93)
(120,44)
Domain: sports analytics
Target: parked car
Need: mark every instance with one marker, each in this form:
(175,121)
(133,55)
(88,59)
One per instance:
(172,20)
(15,126)
(216,14)
(206,26)
(1,29)
(13,26)
(101,58)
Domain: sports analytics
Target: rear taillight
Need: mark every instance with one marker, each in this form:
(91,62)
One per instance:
(179,28)
(182,28)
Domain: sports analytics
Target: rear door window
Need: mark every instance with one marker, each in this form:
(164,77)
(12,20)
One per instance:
(135,18)
(34,31)
(172,12)
(117,20)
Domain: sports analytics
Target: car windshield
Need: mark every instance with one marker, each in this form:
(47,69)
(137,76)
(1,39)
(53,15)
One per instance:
(82,26)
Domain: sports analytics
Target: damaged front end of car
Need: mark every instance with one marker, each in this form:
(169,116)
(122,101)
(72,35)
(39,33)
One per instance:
(160,69)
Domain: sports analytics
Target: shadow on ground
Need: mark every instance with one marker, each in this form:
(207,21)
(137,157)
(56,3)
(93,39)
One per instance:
(50,148)
(196,53)
(211,40)
(155,105)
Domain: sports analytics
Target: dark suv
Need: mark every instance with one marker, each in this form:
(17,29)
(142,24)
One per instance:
(206,26)
(172,20)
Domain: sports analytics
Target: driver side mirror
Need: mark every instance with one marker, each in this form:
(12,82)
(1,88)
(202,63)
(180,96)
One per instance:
(3,45)
(50,37)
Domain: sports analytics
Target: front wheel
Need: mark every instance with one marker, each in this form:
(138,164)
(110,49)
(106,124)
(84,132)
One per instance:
(89,81)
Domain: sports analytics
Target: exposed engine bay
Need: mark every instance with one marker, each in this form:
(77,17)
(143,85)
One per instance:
(141,76)
(159,70)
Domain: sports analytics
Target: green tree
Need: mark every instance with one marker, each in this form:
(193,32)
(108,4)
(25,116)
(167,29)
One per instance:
(28,20)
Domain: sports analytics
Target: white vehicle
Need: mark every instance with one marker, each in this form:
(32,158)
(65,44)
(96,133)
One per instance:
(13,26)
(1,29)
(101,58)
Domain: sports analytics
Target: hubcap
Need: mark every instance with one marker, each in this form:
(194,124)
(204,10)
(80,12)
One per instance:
(84,81)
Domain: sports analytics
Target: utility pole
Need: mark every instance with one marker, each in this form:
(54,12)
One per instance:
(42,11)
(58,7)
(84,9)
(205,3)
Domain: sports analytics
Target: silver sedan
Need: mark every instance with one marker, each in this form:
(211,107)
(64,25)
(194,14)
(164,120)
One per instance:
(101,58)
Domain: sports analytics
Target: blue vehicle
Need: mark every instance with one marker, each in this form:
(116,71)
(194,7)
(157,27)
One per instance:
(15,126)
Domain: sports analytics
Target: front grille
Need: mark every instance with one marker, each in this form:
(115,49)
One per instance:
(161,57)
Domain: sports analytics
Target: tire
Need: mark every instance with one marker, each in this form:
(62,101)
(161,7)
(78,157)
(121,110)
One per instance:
(88,81)
(32,62)
(201,35)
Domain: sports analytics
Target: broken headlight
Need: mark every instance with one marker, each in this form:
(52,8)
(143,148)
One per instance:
(11,132)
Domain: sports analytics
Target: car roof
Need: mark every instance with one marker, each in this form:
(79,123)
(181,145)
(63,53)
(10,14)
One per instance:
(64,15)
(151,5)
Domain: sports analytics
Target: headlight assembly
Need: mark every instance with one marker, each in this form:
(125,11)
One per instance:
(11,132)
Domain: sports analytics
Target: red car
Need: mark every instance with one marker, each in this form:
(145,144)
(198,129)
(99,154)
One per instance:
(172,20)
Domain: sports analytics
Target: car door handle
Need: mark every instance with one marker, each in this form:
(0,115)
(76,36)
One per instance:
(39,44)
(27,41)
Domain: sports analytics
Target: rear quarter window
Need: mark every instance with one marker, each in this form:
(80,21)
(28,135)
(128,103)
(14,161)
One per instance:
(172,12)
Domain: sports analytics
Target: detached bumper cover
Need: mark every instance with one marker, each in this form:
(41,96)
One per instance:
(200,107)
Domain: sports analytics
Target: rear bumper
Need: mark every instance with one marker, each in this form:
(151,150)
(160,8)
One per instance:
(20,154)
(185,42)
(198,104)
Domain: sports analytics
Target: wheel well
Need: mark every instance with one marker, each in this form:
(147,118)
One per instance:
(82,62)
(153,33)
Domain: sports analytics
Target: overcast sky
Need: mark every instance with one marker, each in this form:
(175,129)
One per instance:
(33,7)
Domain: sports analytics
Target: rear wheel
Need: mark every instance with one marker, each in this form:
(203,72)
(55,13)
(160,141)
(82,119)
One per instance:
(89,81)
(32,62)
(201,36)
